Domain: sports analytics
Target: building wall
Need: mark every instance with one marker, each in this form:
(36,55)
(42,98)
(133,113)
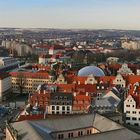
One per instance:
(75,133)
(5,86)
(30,84)
(9,135)
(58,109)
(42,60)
(125,70)
(131,45)
(132,113)
(119,81)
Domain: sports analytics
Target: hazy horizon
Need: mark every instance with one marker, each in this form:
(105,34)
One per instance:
(70,14)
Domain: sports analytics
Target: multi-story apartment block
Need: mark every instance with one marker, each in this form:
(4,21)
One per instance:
(28,81)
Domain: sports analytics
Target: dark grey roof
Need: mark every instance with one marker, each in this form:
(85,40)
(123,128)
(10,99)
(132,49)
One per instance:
(108,102)
(66,123)
(69,96)
(119,134)
(26,131)
(41,129)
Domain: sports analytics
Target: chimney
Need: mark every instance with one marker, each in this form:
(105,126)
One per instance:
(39,91)
(44,91)
(86,93)
(74,94)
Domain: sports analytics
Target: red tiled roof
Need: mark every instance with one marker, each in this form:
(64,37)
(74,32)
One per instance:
(105,79)
(80,97)
(132,79)
(80,79)
(57,47)
(30,74)
(137,99)
(86,88)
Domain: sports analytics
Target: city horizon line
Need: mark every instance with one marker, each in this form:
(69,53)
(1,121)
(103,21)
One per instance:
(57,28)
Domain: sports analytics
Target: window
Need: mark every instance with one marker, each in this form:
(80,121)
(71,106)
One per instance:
(53,107)
(133,105)
(88,132)
(68,108)
(80,133)
(136,124)
(134,112)
(63,107)
(70,135)
(127,118)
(134,118)
(63,112)
(128,112)
(127,105)
(60,136)
(57,108)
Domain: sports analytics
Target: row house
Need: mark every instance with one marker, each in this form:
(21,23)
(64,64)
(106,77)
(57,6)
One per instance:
(132,110)
(31,79)
(60,103)
(125,70)
(132,101)
(106,102)
(81,103)
(119,80)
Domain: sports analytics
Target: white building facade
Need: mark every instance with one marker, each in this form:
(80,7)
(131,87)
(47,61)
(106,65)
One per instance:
(5,86)
(132,112)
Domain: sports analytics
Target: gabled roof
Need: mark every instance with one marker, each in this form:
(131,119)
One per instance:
(41,129)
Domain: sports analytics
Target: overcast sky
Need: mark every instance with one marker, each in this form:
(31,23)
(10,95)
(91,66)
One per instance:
(90,14)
